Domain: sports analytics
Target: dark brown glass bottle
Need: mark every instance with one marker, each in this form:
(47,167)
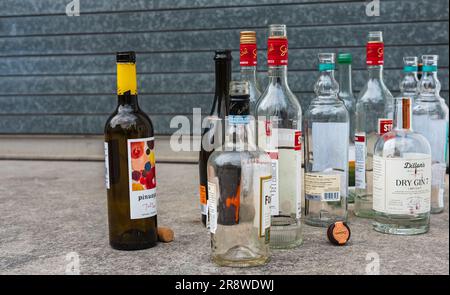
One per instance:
(130,165)
(218,112)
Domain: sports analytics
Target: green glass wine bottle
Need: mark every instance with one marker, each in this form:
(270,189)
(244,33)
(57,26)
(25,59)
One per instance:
(130,165)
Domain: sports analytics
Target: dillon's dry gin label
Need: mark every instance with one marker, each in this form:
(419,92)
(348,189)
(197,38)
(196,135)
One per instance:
(142,177)
(402,185)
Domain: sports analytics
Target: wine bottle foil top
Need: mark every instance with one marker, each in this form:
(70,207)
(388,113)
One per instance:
(248,37)
(126,57)
(222,54)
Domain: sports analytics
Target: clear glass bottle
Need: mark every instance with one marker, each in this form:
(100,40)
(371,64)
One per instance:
(402,177)
(239,182)
(346,95)
(326,126)
(374,109)
(408,85)
(248,63)
(431,120)
(279,118)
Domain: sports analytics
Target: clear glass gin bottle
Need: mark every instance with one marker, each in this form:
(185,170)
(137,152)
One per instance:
(279,118)
(431,120)
(326,126)
(239,183)
(374,108)
(248,62)
(346,95)
(402,177)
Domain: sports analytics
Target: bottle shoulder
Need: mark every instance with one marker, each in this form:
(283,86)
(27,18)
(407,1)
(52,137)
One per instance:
(277,99)
(433,108)
(326,110)
(399,143)
(127,120)
(234,158)
(374,91)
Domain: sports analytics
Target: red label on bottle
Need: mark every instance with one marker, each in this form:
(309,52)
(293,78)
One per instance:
(384,126)
(375,53)
(268,126)
(298,141)
(360,138)
(248,56)
(277,52)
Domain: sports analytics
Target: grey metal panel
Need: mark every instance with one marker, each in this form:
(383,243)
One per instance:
(299,37)
(220,18)
(198,62)
(39,7)
(57,73)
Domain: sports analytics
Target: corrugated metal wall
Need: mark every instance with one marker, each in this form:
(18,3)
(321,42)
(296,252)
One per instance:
(57,73)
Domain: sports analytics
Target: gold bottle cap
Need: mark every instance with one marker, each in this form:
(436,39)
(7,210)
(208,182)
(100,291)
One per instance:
(248,37)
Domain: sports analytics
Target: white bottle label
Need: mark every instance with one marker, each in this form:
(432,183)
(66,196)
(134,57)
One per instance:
(212,207)
(402,185)
(142,177)
(264,207)
(106,151)
(360,160)
(323,187)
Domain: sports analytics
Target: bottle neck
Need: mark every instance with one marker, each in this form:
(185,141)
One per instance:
(223,77)
(278,75)
(345,79)
(429,85)
(403,114)
(326,87)
(127,86)
(128,101)
(239,136)
(408,85)
(248,73)
(375,72)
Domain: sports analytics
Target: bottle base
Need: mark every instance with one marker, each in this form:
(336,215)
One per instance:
(240,256)
(363,207)
(132,247)
(323,223)
(285,233)
(437,210)
(401,225)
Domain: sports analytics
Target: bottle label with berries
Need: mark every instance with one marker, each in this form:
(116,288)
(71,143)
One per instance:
(142,177)
(375,53)
(277,52)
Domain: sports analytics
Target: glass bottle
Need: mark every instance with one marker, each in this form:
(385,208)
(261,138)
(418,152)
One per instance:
(431,120)
(408,85)
(374,108)
(402,177)
(346,95)
(213,130)
(326,126)
(248,63)
(130,165)
(239,182)
(279,133)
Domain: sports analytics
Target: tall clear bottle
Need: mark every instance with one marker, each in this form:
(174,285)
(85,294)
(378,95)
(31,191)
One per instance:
(409,83)
(279,118)
(239,183)
(214,128)
(374,109)
(346,95)
(402,177)
(248,62)
(326,126)
(431,120)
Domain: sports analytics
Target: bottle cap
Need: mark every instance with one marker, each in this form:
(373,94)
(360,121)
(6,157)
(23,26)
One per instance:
(338,233)
(248,37)
(126,56)
(344,58)
(222,54)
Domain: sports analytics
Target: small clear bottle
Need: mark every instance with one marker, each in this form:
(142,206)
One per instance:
(344,61)
(402,177)
(374,108)
(326,126)
(409,83)
(279,120)
(239,182)
(431,120)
